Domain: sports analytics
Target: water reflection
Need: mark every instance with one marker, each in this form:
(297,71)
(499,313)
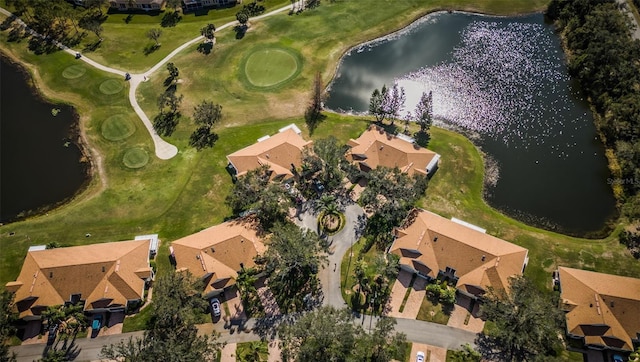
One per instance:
(504,80)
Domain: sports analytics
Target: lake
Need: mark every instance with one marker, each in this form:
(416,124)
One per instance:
(504,83)
(40,164)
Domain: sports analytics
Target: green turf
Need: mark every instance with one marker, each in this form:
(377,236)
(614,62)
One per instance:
(111,86)
(74,71)
(117,127)
(271,67)
(135,158)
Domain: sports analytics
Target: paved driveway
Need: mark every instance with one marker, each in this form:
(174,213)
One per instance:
(432,353)
(340,243)
(416,296)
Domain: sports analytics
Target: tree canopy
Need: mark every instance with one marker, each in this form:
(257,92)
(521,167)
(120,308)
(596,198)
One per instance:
(329,334)
(253,191)
(603,58)
(527,323)
(291,263)
(7,317)
(205,115)
(171,334)
(390,194)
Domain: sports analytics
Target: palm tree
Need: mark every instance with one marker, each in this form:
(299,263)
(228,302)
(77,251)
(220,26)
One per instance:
(255,351)
(327,204)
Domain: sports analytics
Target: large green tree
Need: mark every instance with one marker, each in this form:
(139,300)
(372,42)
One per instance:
(424,111)
(326,162)
(205,115)
(254,192)
(7,317)
(291,263)
(390,194)
(527,323)
(171,333)
(329,334)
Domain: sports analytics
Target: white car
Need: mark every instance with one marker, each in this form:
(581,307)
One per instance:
(420,356)
(215,307)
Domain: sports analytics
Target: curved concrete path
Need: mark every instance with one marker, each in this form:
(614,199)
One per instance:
(163,149)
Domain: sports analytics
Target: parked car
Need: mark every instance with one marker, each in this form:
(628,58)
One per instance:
(97,322)
(53,330)
(420,356)
(215,307)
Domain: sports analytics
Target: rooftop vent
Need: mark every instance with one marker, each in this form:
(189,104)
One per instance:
(435,239)
(483,257)
(50,274)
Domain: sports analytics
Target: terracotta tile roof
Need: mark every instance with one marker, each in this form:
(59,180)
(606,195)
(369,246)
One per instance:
(278,152)
(376,148)
(216,252)
(479,259)
(98,272)
(603,308)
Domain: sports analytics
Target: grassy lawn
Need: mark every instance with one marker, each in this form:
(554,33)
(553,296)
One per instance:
(347,275)
(137,322)
(431,312)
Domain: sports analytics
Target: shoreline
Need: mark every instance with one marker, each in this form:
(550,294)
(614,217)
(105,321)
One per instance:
(77,135)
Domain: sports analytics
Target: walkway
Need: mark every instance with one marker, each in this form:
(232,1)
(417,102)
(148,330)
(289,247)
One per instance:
(163,149)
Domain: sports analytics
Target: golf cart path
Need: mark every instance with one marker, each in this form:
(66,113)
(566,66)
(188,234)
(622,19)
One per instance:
(163,149)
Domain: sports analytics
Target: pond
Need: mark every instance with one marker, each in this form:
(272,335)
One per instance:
(504,83)
(40,165)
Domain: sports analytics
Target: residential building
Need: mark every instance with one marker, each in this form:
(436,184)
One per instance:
(282,153)
(375,147)
(602,310)
(108,277)
(146,5)
(198,4)
(218,253)
(462,254)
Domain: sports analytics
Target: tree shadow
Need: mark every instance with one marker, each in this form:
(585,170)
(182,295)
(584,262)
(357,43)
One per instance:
(128,19)
(389,128)
(489,348)
(41,46)
(205,48)
(150,48)
(422,138)
(313,120)
(91,47)
(170,19)
(240,30)
(8,22)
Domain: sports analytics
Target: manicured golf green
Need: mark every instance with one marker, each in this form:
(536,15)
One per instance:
(135,158)
(74,71)
(111,86)
(117,127)
(270,67)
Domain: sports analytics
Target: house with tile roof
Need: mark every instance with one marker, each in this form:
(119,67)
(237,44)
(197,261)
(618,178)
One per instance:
(602,310)
(375,147)
(464,255)
(218,253)
(108,277)
(281,153)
